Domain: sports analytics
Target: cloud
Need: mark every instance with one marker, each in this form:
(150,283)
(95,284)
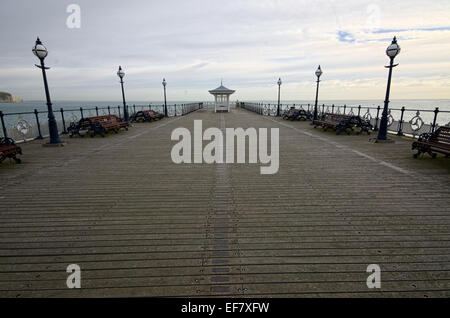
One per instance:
(345,37)
(248,43)
(445,28)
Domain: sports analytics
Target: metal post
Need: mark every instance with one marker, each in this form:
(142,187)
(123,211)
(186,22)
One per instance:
(125,111)
(38,124)
(377,119)
(315,105)
(109,110)
(96,110)
(332,109)
(52,126)
(165,102)
(345,106)
(5,134)
(279,89)
(81,111)
(382,134)
(63,121)
(400,123)
(359,111)
(436,112)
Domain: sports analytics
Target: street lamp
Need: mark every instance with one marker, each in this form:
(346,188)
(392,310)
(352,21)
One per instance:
(41,52)
(318,74)
(279,88)
(392,51)
(121,74)
(165,99)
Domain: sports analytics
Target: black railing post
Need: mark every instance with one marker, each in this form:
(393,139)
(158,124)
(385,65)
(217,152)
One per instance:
(134,108)
(332,109)
(5,134)
(96,110)
(323,109)
(377,119)
(38,124)
(359,111)
(81,112)
(345,106)
(400,123)
(436,112)
(63,121)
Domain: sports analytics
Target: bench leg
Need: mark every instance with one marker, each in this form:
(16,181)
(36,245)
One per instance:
(419,152)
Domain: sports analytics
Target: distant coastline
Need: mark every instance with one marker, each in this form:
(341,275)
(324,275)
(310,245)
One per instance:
(8,98)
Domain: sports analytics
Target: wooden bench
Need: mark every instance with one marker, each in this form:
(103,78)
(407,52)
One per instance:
(339,123)
(297,114)
(8,149)
(437,142)
(146,115)
(97,125)
(343,123)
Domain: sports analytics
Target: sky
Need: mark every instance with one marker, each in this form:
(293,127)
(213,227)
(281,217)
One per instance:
(247,43)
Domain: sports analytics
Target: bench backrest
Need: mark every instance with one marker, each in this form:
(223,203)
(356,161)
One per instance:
(104,118)
(441,135)
(7,147)
(336,118)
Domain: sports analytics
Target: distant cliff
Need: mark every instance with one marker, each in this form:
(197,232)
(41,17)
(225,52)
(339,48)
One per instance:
(8,98)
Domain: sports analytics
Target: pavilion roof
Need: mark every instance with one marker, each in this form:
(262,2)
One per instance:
(222,90)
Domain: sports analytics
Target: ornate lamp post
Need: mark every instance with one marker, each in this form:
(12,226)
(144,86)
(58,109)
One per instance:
(41,52)
(165,99)
(279,88)
(392,51)
(318,74)
(121,74)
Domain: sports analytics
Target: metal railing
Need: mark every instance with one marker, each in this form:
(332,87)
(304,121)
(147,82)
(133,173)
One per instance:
(31,125)
(401,121)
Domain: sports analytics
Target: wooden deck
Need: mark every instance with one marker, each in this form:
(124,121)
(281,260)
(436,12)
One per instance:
(139,225)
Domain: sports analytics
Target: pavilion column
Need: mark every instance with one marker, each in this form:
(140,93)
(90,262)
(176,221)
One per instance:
(215,106)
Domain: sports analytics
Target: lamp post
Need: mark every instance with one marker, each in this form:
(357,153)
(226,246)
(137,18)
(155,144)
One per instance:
(121,74)
(279,88)
(318,74)
(165,99)
(392,51)
(41,52)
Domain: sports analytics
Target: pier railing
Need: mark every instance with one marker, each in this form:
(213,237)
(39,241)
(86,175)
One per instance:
(401,121)
(25,126)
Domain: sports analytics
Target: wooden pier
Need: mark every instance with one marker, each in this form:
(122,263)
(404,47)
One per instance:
(139,225)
